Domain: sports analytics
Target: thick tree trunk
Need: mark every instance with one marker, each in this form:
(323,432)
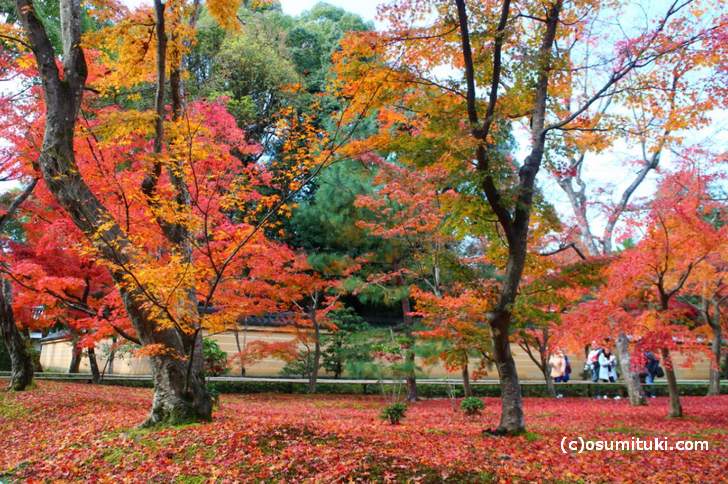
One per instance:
(511,421)
(76,354)
(177,399)
(675,406)
(631,379)
(467,389)
(21,362)
(94,365)
(714,382)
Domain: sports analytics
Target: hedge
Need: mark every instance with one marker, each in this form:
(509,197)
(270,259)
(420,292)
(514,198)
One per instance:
(425,390)
(429,390)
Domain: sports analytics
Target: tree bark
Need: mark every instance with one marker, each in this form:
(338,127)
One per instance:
(715,346)
(511,421)
(467,389)
(675,406)
(177,399)
(410,364)
(21,362)
(550,387)
(180,394)
(94,365)
(76,354)
(240,351)
(316,363)
(631,379)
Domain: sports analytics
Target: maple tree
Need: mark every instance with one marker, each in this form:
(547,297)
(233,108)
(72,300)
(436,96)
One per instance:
(643,284)
(646,119)
(523,67)
(164,204)
(406,210)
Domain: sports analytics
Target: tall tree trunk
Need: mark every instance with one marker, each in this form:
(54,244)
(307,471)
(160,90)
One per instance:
(714,382)
(21,362)
(631,379)
(112,356)
(467,389)
(94,365)
(675,406)
(316,362)
(240,351)
(410,363)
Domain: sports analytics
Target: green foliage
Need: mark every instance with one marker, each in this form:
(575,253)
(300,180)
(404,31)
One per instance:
(472,406)
(216,362)
(253,76)
(302,366)
(394,413)
(349,346)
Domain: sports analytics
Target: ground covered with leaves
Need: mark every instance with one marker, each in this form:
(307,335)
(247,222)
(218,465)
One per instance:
(63,431)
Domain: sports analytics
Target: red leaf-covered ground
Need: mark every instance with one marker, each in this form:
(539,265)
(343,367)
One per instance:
(62,431)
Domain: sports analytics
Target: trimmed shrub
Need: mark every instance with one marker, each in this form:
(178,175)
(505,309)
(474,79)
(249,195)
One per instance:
(394,413)
(472,406)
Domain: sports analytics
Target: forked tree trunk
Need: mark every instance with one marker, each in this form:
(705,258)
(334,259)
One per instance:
(180,394)
(675,406)
(94,365)
(631,379)
(21,362)
(467,389)
(714,382)
(178,399)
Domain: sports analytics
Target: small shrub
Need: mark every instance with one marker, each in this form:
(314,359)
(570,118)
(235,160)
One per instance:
(394,413)
(216,361)
(472,405)
(214,391)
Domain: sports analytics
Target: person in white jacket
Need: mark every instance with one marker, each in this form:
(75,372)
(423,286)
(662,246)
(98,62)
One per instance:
(607,366)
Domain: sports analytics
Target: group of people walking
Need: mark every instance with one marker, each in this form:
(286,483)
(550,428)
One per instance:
(601,364)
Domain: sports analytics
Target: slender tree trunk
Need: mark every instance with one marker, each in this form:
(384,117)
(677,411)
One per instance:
(631,379)
(511,421)
(410,363)
(94,365)
(467,389)
(675,406)
(316,363)
(21,362)
(112,355)
(240,352)
(714,382)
